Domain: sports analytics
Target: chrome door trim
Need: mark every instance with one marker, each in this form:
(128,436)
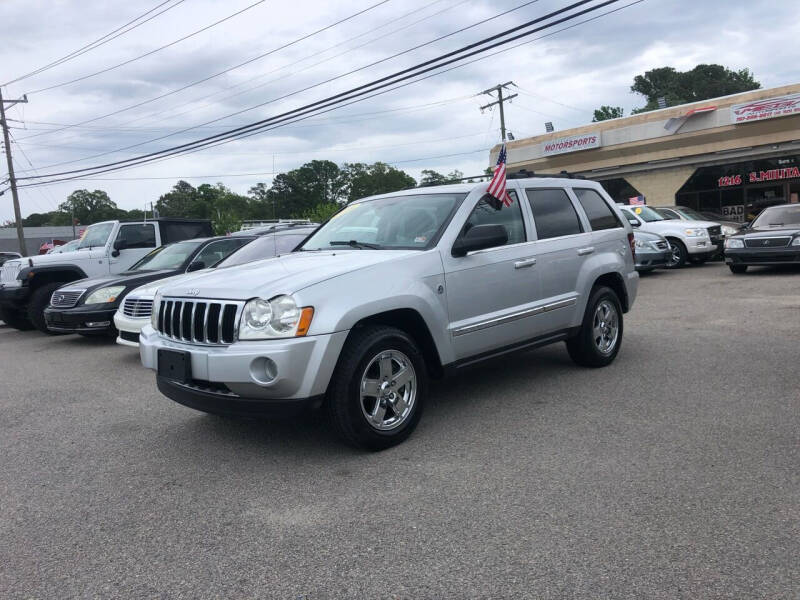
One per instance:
(522,314)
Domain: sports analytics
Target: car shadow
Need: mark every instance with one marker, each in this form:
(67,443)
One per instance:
(472,392)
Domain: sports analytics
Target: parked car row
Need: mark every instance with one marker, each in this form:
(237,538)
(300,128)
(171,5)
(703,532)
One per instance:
(392,291)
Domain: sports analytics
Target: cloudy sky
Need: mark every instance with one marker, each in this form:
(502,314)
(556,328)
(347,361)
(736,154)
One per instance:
(433,124)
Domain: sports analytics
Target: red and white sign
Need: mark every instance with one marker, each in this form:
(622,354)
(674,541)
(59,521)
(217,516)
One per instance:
(572,143)
(768,108)
(774,174)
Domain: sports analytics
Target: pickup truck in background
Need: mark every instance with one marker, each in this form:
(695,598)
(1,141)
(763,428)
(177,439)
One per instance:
(109,247)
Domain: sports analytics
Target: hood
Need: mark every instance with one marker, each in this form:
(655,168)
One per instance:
(148,290)
(785,231)
(281,275)
(646,236)
(62,257)
(130,279)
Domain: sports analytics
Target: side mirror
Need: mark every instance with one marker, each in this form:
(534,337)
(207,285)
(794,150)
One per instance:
(479,238)
(196,266)
(120,245)
(634,223)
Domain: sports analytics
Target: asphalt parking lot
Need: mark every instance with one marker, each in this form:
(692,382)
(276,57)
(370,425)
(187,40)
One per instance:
(671,474)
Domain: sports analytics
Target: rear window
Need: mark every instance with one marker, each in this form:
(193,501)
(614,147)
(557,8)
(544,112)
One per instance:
(553,213)
(597,210)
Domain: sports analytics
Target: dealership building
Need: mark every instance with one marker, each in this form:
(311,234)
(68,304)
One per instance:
(731,156)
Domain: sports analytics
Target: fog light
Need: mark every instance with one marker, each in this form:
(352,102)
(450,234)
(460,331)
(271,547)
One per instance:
(98,323)
(263,370)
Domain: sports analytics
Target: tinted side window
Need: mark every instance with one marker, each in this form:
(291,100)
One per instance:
(597,210)
(216,251)
(490,211)
(553,213)
(137,236)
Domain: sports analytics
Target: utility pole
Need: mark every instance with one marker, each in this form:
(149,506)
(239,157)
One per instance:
(12,180)
(500,99)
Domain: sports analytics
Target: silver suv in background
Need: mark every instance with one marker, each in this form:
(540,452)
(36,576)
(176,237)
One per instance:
(393,290)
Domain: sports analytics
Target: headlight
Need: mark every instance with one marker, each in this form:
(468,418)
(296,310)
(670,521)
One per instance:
(104,295)
(728,230)
(276,318)
(734,243)
(640,244)
(156,310)
(796,241)
(695,232)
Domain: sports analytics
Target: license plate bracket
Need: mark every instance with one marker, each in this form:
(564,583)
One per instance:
(175,365)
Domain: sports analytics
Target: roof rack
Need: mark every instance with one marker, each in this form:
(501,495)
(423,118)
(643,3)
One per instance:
(525,174)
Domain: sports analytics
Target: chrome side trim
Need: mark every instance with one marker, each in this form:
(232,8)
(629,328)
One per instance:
(514,316)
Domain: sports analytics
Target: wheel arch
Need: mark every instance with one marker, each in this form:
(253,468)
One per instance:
(411,322)
(38,277)
(616,282)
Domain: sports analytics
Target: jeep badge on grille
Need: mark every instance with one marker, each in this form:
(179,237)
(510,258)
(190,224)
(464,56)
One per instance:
(192,292)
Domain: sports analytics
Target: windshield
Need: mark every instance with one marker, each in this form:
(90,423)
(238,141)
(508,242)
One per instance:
(264,247)
(778,216)
(96,235)
(645,213)
(397,222)
(690,214)
(171,256)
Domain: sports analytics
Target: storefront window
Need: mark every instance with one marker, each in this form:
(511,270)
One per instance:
(739,191)
(619,189)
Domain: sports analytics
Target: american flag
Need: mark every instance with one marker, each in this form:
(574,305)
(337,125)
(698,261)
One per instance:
(497,186)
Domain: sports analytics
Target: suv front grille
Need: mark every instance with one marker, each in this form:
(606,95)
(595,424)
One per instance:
(661,245)
(770,242)
(138,308)
(65,298)
(8,273)
(202,321)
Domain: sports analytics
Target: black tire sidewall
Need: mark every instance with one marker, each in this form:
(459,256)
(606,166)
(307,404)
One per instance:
(40,299)
(347,392)
(683,252)
(582,348)
(15,318)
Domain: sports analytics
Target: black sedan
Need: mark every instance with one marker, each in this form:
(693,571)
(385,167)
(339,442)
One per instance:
(773,238)
(87,306)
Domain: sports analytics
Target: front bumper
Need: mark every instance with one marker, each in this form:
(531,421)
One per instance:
(129,329)
(234,378)
(650,259)
(700,247)
(754,257)
(14,296)
(80,319)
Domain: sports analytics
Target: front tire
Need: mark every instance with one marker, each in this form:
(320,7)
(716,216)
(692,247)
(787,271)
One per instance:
(677,254)
(14,318)
(376,395)
(600,337)
(40,299)
(738,269)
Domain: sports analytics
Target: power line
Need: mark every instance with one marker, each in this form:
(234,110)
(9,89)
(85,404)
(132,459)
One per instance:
(151,52)
(291,64)
(199,81)
(329,80)
(99,42)
(353,95)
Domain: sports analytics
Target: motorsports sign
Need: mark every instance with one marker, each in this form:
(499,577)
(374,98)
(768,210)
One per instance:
(572,143)
(769,108)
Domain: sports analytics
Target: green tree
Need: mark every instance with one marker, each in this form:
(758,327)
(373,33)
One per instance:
(89,207)
(700,83)
(608,112)
(322,212)
(378,178)
(180,201)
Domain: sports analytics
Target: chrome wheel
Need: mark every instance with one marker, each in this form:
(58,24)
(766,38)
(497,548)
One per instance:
(605,327)
(674,256)
(388,390)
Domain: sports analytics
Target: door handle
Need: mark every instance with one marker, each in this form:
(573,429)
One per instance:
(585,251)
(525,262)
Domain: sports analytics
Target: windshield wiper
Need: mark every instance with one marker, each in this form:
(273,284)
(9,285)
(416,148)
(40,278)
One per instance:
(355,244)
(776,224)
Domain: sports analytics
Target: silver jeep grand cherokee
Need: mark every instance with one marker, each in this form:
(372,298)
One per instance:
(391,291)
